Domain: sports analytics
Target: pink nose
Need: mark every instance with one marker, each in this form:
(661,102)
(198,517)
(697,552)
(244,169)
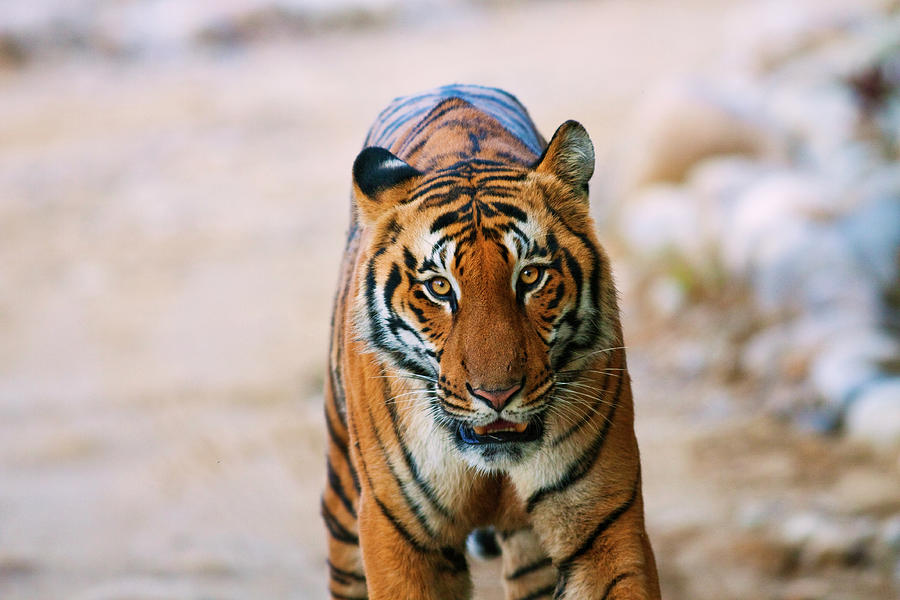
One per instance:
(496,398)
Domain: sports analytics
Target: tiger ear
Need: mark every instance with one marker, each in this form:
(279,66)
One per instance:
(380,181)
(569,156)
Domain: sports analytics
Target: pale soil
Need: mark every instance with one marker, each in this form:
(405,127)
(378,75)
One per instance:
(169,237)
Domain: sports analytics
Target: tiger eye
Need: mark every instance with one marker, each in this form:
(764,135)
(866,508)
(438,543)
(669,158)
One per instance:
(529,275)
(439,285)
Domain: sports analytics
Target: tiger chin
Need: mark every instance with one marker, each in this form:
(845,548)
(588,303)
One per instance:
(477,375)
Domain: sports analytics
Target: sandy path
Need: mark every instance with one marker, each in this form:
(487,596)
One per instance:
(170,233)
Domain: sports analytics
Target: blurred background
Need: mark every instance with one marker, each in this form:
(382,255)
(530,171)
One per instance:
(174,183)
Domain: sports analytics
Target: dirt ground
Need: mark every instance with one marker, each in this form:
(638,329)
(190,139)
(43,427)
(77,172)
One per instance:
(170,230)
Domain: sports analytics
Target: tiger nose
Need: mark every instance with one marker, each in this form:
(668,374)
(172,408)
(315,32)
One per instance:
(496,398)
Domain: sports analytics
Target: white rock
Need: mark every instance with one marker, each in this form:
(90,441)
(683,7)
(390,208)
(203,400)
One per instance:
(681,123)
(874,234)
(849,363)
(717,183)
(662,220)
(840,541)
(776,263)
(875,415)
(823,538)
(693,358)
(667,296)
(797,264)
(722,177)
(756,513)
(774,201)
(890,533)
(826,275)
(823,115)
(819,330)
(767,33)
(890,119)
(762,355)
(798,529)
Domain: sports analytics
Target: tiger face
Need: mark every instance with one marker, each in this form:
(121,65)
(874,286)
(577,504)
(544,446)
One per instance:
(483,284)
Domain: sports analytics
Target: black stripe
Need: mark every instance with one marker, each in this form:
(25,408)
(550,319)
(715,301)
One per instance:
(398,526)
(342,447)
(399,103)
(583,464)
(409,260)
(371,310)
(475,140)
(396,324)
(529,568)
(394,521)
(575,270)
(513,212)
(508,175)
(557,298)
(344,573)
(436,113)
(448,218)
(337,531)
(413,467)
(390,128)
(456,561)
(603,525)
(391,284)
(421,317)
(334,483)
(475,166)
(615,582)
(402,103)
(413,505)
(431,185)
(495,191)
(333,434)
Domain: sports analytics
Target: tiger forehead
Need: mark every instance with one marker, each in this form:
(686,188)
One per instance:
(474,198)
(473,179)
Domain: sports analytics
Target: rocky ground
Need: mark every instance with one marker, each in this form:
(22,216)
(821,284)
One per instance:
(172,207)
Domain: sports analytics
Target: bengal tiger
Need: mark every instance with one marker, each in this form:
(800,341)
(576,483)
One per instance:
(477,374)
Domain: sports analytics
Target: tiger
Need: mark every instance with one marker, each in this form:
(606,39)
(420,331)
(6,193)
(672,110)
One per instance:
(476,378)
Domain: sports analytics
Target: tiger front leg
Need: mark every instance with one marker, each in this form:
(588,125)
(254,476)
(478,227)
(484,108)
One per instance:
(611,560)
(589,514)
(594,532)
(398,565)
(527,570)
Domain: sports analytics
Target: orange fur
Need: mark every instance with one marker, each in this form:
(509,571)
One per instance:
(463,197)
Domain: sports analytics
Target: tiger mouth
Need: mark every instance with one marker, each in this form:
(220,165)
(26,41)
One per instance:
(499,432)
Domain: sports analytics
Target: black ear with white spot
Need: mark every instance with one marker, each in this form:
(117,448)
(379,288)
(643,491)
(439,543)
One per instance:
(569,156)
(380,181)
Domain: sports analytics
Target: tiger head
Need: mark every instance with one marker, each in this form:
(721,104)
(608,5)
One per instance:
(483,283)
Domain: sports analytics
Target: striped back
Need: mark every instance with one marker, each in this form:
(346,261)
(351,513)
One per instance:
(500,105)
